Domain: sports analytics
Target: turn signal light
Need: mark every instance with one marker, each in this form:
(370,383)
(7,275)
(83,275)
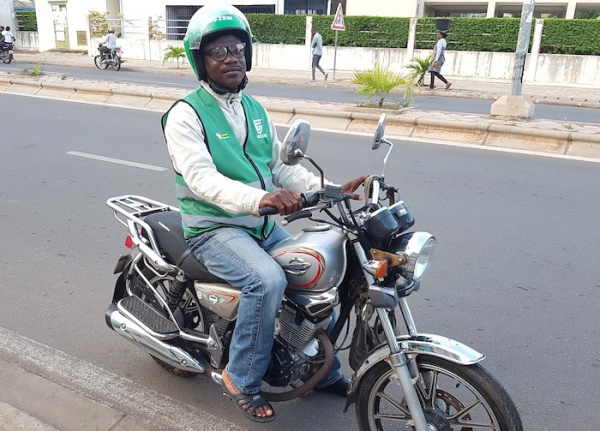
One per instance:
(382,268)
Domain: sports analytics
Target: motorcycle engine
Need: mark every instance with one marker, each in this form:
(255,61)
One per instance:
(296,351)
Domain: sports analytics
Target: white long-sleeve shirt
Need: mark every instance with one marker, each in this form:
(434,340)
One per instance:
(110,40)
(191,158)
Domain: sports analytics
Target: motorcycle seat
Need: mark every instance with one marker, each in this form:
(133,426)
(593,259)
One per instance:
(168,232)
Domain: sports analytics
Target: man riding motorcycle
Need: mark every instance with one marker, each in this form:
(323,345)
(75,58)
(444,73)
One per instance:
(225,153)
(107,44)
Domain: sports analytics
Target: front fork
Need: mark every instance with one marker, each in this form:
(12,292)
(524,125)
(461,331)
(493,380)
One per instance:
(402,367)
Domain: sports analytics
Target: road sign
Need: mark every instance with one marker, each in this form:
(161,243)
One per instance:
(338,21)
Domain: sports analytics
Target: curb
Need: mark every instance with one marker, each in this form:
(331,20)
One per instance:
(484,132)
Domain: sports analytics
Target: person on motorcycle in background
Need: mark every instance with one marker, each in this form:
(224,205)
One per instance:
(7,38)
(225,153)
(107,43)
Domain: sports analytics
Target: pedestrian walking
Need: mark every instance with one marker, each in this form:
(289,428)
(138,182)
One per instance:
(437,60)
(317,52)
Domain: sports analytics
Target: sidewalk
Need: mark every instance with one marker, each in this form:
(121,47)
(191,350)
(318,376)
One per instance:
(461,87)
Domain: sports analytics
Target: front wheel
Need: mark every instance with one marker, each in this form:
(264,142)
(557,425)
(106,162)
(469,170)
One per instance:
(454,398)
(98,62)
(7,59)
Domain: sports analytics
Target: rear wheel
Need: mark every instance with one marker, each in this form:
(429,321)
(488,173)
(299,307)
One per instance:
(7,59)
(454,398)
(98,62)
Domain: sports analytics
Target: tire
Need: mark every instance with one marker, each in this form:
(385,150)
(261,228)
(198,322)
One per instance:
(116,63)
(7,59)
(99,64)
(380,405)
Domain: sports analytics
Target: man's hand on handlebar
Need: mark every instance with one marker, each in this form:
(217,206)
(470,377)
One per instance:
(351,186)
(286,201)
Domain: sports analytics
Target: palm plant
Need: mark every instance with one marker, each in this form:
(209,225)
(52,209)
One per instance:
(380,82)
(174,52)
(418,68)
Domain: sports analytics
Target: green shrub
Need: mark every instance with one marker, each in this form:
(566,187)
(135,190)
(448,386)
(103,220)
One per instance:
(570,36)
(379,82)
(561,36)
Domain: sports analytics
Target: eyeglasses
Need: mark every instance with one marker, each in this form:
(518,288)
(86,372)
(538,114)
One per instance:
(219,53)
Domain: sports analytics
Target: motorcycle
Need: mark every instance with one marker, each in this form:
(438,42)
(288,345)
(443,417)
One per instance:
(113,58)
(366,261)
(6,53)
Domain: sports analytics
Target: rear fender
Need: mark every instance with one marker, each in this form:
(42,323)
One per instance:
(120,291)
(420,344)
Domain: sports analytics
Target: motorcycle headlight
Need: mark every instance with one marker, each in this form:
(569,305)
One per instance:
(418,248)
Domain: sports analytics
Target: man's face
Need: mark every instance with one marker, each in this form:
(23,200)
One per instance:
(229,72)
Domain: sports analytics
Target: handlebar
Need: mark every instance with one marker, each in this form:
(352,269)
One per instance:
(309,199)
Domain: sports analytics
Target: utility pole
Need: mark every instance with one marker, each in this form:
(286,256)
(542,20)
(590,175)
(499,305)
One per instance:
(515,105)
(522,47)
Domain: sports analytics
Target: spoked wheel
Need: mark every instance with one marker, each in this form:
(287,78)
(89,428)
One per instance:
(7,59)
(116,63)
(189,314)
(454,398)
(99,64)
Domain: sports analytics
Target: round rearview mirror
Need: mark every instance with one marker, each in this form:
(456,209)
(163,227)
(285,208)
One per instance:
(295,143)
(379,132)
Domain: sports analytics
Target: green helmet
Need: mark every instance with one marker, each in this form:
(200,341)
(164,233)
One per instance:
(215,21)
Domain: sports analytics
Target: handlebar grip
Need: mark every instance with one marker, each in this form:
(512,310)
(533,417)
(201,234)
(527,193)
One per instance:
(309,199)
(267,211)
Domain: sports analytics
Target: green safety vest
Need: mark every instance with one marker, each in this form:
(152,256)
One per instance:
(248,164)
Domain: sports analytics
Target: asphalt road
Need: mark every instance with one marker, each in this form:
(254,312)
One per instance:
(307,92)
(515,273)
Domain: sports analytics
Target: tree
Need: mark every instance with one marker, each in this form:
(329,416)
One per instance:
(98,23)
(154,32)
(174,52)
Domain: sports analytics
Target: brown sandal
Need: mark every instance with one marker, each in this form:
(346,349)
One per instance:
(248,403)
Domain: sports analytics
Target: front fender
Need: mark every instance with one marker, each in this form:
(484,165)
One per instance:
(420,344)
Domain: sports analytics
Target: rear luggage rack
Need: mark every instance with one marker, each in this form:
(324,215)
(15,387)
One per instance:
(130,211)
(135,207)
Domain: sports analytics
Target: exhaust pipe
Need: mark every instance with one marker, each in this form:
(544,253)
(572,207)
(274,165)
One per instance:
(137,334)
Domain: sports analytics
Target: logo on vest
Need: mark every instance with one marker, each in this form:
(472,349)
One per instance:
(222,136)
(259,128)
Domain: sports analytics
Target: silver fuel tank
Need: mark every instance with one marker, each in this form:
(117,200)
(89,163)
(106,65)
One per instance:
(313,260)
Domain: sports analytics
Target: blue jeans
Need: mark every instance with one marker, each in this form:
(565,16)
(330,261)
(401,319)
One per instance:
(235,256)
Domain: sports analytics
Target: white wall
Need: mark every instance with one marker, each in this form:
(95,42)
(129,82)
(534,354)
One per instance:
(77,20)
(552,69)
(137,9)
(398,8)
(6,14)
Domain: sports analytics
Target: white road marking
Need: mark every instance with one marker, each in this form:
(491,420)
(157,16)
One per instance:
(117,161)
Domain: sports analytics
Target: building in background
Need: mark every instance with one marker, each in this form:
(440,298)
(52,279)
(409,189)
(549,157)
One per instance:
(64,24)
(485,9)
